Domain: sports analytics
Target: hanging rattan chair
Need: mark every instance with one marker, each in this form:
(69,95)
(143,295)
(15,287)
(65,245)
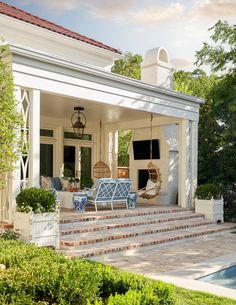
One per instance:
(101,169)
(153,186)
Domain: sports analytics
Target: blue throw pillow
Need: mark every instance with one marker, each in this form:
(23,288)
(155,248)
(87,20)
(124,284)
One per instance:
(56,183)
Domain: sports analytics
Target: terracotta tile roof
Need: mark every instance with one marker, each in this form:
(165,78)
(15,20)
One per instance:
(19,14)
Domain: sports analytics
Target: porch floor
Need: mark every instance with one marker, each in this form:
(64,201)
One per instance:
(119,209)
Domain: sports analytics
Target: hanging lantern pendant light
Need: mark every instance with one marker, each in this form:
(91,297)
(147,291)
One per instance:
(78,122)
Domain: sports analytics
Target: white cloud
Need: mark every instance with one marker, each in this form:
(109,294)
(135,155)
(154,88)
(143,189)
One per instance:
(213,9)
(108,8)
(98,8)
(54,5)
(181,63)
(154,15)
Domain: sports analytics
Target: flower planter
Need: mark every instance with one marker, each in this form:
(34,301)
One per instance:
(41,229)
(212,209)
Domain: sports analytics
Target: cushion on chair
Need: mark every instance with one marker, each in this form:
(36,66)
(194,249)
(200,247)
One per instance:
(149,190)
(65,184)
(46,182)
(56,183)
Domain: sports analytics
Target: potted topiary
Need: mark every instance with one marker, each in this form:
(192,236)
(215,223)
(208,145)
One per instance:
(37,217)
(209,201)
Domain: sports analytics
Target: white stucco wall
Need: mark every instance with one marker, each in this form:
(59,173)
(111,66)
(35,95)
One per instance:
(168,162)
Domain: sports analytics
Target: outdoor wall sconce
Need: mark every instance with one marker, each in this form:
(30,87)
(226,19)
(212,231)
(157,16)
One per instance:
(78,121)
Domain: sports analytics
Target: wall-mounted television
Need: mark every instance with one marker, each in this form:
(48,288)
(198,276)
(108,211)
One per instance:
(142,149)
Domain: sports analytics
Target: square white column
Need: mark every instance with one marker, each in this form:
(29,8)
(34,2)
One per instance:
(193,159)
(16,176)
(34,138)
(184,164)
(188,152)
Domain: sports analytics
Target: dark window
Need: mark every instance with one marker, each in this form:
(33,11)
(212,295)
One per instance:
(142,149)
(46,160)
(69,161)
(71,135)
(46,133)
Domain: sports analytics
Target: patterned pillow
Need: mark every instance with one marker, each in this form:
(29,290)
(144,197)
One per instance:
(56,183)
(46,182)
(65,184)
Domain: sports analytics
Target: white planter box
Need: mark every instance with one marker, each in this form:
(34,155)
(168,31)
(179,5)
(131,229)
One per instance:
(41,229)
(212,209)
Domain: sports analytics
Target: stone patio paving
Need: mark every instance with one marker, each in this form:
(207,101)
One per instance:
(154,260)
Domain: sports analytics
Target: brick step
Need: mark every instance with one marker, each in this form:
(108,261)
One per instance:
(75,240)
(6,226)
(92,226)
(138,241)
(93,216)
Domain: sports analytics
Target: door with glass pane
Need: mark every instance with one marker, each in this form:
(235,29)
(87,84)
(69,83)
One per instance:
(70,164)
(46,159)
(78,163)
(85,166)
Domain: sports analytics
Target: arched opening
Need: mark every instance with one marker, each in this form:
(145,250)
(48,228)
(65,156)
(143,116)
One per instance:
(163,56)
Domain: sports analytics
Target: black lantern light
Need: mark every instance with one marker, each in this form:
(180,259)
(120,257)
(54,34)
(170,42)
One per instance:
(78,121)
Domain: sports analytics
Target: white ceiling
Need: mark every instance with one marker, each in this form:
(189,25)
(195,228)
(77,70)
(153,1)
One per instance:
(57,106)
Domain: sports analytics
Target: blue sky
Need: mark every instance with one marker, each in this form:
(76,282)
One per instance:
(139,25)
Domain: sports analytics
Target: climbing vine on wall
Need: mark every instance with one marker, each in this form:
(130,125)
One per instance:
(10,118)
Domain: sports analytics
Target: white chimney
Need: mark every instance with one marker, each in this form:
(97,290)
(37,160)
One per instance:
(156,69)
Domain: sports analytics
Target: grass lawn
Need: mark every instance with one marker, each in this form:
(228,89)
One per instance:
(191,297)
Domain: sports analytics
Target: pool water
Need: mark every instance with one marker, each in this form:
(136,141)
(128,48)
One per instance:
(225,278)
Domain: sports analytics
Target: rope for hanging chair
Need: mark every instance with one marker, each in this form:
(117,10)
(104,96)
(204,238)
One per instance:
(154,176)
(101,169)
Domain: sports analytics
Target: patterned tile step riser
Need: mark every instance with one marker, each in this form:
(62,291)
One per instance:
(74,254)
(126,225)
(66,243)
(129,213)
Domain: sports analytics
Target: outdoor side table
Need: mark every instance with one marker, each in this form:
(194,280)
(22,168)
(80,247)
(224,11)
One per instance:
(79,201)
(132,198)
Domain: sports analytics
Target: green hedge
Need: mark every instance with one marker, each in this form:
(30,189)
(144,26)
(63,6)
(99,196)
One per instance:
(40,276)
(37,199)
(207,191)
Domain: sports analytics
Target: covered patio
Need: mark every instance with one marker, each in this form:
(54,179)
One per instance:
(55,71)
(48,90)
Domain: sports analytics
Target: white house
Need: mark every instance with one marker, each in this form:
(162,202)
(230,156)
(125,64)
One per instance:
(56,70)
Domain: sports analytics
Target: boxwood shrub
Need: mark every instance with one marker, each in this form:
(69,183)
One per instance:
(36,199)
(40,276)
(207,191)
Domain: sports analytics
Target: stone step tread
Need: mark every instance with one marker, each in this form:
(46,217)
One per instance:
(98,236)
(135,242)
(91,216)
(96,225)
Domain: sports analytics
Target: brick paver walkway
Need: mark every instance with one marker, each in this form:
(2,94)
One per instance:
(163,258)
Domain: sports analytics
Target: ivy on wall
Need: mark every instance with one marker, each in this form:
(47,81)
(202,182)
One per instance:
(10,119)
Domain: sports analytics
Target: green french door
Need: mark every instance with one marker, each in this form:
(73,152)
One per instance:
(78,162)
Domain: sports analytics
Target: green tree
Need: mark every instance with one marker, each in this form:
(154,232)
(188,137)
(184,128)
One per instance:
(220,55)
(129,66)
(197,83)
(10,119)
(124,137)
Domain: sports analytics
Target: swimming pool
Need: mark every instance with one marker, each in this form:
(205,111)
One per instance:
(225,278)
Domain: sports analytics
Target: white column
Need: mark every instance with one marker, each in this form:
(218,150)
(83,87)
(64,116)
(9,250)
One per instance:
(59,162)
(16,178)
(34,138)
(193,158)
(184,163)
(115,154)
